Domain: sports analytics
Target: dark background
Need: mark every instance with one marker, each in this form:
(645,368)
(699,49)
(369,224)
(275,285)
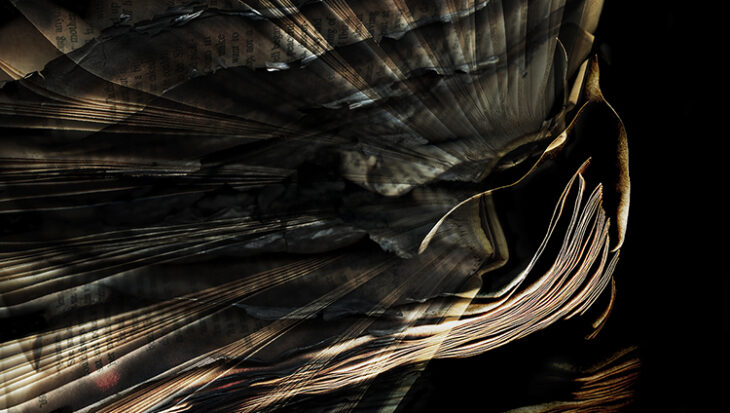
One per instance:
(662,78)
(657,74)
(655,78)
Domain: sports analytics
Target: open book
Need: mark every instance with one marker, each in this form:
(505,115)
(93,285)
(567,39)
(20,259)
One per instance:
(246,206)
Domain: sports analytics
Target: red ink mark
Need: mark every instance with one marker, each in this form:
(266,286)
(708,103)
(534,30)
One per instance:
(107,380)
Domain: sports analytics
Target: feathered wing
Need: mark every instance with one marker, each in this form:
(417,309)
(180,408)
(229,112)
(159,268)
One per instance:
(220,206)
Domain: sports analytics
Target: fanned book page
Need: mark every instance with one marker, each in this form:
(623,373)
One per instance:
(295,205)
